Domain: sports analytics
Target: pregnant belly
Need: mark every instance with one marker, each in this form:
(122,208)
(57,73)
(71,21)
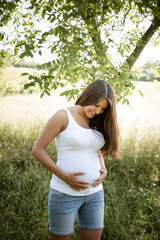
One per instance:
(90,176)
(89,166)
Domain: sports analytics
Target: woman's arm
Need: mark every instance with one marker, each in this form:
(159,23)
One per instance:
(101,159)
(103,171)
(54,126)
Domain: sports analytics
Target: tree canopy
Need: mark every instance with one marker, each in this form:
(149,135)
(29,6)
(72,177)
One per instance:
(82,36)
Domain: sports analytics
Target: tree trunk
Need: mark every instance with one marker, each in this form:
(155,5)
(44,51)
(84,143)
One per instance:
(145,39)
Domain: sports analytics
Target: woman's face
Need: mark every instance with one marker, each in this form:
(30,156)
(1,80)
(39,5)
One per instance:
(98,108)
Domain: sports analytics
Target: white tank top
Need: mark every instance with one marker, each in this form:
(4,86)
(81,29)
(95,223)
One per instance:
(77,152)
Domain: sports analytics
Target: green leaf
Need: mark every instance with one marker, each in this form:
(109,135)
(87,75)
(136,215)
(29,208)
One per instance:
(42,94)
(27,47)
(24,54)
(45,34)
(40,52)
(47,92)
(30,77)
(46,84)
(43,13)
(24,74)
(27,85)
(140,93)
(32,84)
(65,93)
(48,64)
(84,10)
(1,36)
(51,71)
(53,49)
(52,19)
(49,9)
(30,54)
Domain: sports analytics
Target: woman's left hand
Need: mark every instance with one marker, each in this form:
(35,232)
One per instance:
(103,174)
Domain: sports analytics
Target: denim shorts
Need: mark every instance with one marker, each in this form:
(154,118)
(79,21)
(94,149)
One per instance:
(63,208)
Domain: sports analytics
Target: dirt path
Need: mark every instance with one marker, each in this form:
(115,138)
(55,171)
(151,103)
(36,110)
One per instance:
(143,112)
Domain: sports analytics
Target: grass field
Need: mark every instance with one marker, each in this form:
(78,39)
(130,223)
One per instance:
(132,187)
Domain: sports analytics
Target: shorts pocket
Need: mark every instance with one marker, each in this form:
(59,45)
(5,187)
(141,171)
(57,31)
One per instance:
(55,197)
(57,193)
(58,201)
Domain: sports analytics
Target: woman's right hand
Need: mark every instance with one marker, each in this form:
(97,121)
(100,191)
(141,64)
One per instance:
(72,180)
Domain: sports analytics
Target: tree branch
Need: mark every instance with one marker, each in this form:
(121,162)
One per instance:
(124,19)
(144,40)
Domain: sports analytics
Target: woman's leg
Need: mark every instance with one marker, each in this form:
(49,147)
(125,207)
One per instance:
(90,234)
(58,237)
(91,216)
(62,210)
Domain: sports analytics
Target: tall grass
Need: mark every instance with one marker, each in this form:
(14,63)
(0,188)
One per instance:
(132,188)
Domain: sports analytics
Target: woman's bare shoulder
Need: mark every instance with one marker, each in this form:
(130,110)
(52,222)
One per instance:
(57,122)
(60,115)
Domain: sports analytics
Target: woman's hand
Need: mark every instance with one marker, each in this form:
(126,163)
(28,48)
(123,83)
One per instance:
(72,180)
(103,174)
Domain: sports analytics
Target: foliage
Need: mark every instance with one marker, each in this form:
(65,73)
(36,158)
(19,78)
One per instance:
(81,37)
(25,64)
(132,193)
(148,72)
(157,69)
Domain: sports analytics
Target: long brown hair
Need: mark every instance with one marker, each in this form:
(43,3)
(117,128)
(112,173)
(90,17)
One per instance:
(106,122)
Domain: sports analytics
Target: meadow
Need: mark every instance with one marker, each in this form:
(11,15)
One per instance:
(132,186)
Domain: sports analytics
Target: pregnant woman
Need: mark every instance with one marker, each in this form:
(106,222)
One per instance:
(83,133)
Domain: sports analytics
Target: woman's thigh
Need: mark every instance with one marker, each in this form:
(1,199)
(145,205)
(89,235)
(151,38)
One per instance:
(62,210)
(91,213)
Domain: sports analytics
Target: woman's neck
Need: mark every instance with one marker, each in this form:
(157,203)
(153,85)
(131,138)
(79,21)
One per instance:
(80,111)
